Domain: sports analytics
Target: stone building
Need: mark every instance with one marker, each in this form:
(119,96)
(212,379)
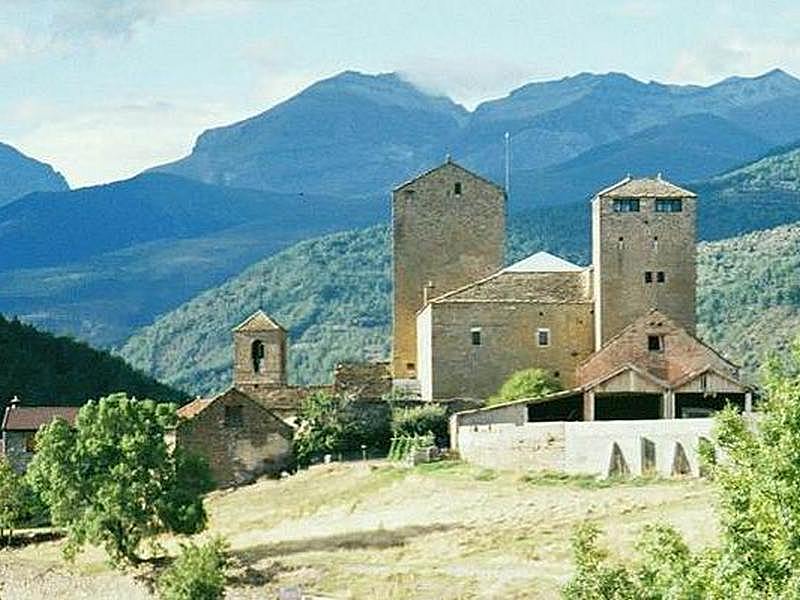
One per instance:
(239,437)
(594,328)
(537,311)
(643,253)
(19,427)
(449,230)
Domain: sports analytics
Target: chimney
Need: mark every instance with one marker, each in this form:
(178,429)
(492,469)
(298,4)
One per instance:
(427,292)
(15,402)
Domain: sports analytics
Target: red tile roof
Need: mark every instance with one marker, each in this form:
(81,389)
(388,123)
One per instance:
(31,418)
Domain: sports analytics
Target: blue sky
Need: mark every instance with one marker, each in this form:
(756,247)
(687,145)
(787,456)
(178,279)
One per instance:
(103,89)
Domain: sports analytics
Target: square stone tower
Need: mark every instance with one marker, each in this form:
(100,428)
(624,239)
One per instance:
(448,231)
(259,353)
(644,254)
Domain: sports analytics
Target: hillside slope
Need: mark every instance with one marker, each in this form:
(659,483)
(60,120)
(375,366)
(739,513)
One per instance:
(21,175)
(334,294)
(43,369)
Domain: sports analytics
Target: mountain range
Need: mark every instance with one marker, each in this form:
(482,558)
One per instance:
(21,175)
(101,262)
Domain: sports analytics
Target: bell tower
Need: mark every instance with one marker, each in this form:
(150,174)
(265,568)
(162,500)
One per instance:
(259,352)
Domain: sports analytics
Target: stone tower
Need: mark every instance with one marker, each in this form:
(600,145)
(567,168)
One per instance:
(643,254)
(448,231)
(259,353)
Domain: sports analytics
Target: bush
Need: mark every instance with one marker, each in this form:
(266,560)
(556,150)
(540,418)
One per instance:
(530,383)
(421,420)
(197,574)
(335,425)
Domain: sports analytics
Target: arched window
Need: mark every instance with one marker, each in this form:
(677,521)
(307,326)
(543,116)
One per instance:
(257,354)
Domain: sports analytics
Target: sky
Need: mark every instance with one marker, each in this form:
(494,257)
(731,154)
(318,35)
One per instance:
(103,89)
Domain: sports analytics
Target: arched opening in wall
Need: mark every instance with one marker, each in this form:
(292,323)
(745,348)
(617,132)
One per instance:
(648,457)
(258,354)
(680,462)
(617,466)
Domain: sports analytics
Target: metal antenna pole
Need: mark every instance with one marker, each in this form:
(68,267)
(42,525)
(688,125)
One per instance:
(508,163)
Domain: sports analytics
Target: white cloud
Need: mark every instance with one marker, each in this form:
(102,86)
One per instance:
(734,53)
(110,142)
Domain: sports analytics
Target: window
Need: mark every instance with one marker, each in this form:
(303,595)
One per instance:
(475,333)
(626,205)
(655,343)
(257,354)
(543,337)
(457,188)
(660,277)
(233,416)
(648,277)
(671,205)
(30,442)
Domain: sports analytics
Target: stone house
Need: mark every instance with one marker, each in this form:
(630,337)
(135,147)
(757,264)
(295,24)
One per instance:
(19,428)
(537,311)
(239,437)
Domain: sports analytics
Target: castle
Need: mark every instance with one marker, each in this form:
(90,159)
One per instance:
(618,333)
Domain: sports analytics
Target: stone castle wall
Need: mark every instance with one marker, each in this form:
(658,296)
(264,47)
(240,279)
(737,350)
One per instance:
(442,237)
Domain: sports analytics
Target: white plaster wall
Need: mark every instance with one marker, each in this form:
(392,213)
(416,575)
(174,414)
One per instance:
(526,447)
(589,444)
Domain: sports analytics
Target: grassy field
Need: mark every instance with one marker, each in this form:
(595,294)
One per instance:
(372,530)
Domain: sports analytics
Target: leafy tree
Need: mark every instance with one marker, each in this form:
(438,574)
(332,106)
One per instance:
(421,420)
(112,481)
(758,484)
(529,383)
(197,574)
(19,504)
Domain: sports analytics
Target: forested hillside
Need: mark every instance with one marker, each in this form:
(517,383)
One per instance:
(334,295)
(43,369)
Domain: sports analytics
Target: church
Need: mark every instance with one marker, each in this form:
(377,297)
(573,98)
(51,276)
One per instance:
(618,334)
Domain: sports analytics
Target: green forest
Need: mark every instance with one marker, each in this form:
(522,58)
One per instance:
(42,369)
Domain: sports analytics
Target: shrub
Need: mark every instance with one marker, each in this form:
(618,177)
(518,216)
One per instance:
(197,574)
(421,420)
(331,424)
(529,383)
(112,481)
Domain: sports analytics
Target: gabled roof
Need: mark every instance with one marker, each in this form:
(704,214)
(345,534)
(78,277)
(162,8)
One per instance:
(543,262)
(645,187)
(31,418)
(187,411)
(197,406)
(258,321)
(449,163)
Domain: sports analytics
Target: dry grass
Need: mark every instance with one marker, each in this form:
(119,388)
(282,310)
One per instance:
(371,530)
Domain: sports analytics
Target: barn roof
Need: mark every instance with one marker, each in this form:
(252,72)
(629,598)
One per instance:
(31,418)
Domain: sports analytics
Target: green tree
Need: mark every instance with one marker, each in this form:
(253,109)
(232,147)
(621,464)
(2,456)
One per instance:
(529,383)
(112,481)
(197,574)
(19,504)
(758,484)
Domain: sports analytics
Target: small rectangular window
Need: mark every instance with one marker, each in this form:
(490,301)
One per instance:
(233,416)
(475,333)
(626,205)
(660,277)
(655,343)
(30,442)
(543,337)
(648,277)
(669,205)
(457,188)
